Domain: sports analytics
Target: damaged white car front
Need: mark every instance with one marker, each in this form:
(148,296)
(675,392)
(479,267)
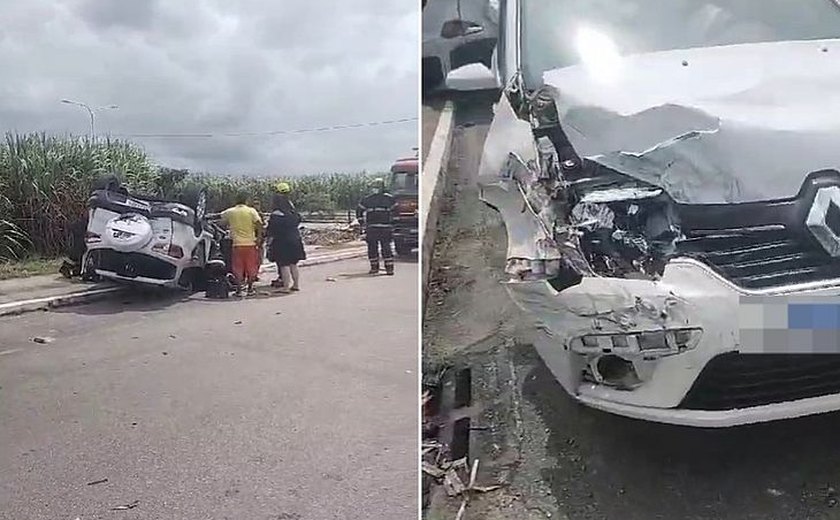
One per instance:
(672,202)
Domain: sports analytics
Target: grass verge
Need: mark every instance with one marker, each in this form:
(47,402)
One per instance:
(29,267)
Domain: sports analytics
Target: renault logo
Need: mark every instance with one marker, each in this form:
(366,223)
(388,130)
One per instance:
(824,219)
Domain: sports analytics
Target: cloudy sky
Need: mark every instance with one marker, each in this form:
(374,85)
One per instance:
(219,67)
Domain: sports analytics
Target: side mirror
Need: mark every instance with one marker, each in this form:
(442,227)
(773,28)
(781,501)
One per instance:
(474,76)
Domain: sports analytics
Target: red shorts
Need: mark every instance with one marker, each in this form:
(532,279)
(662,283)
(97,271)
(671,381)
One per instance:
(246,263)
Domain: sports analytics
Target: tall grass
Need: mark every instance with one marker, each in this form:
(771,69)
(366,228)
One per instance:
(45,182)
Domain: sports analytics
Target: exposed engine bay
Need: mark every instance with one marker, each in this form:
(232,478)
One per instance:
(625,230)
(605,223)
(597,221)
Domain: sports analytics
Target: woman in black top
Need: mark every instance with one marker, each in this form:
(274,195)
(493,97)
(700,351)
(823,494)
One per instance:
(286,248)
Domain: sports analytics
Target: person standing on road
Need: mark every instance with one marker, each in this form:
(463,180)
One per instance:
(286,245)
(375,213)
(246,229)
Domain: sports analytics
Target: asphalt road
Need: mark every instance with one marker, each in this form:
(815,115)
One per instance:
(278,408)
(562,460)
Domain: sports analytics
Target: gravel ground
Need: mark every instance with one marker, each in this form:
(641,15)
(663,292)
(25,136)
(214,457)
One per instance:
(561,460)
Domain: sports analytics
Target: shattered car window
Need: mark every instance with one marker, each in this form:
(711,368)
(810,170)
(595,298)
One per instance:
(553,33)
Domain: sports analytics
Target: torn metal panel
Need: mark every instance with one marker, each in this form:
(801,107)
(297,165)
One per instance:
(602,306)
(732,124)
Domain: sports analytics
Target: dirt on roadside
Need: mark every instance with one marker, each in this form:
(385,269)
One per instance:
(328,236)
(470,321)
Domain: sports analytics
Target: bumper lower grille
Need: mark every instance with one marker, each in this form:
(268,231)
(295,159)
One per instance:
(763,257)
(133,265)
(733,380)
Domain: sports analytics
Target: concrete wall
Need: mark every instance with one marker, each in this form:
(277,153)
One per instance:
(433,180)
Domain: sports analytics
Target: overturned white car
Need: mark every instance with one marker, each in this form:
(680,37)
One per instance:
(147,241)
(668,176)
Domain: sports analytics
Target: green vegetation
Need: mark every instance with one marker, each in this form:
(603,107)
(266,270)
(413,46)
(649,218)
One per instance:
(45,182)
(24,267)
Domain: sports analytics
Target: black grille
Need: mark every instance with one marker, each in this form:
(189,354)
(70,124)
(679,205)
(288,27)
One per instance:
(736,380)
(133,265)
(761,257)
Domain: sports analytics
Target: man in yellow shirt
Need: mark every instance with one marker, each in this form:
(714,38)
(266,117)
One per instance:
(246,229)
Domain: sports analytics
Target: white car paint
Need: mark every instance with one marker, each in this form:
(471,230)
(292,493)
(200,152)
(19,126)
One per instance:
(161,233)
(689,293)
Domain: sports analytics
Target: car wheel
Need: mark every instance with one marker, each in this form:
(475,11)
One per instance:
(108,182)
(432,71)
(196,198)
(402,248)
(193,280)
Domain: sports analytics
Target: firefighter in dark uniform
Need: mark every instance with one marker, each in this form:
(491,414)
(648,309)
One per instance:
(375,213)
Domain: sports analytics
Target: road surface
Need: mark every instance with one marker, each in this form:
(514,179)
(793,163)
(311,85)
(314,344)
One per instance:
(276,408)
(561,460)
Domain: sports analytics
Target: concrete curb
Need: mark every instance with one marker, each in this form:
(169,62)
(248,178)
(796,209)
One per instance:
(432,183)
(87,296)
(53,302)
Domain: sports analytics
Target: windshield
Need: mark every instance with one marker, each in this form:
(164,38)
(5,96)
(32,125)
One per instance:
(558,33)
(404,181)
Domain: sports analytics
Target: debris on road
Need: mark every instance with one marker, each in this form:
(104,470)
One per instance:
(43,340)
(453,484)
(328,236)
(331,279)
(433,471)
(126,507)
(97,482)
(237,322)
(437,467)
(775,492)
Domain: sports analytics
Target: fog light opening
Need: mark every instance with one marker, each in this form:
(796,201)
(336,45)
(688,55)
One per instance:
(616,371)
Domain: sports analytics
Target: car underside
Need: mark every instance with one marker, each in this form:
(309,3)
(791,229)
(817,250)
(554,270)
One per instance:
(147,241)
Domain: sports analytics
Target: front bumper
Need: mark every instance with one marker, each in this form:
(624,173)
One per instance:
(689,295)
(139,268)
(407,232)
(718,418)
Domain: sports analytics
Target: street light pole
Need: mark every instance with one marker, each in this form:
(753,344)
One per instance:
(91,112)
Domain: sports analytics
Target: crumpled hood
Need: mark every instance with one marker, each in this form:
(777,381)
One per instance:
(713,125)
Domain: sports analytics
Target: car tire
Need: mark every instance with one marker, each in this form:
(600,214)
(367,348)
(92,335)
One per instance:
(432,72)
(402,248)
(109,182)
(193,280)
(196,198)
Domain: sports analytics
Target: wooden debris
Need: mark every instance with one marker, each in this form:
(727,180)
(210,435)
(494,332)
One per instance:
(453,484)
(433,470)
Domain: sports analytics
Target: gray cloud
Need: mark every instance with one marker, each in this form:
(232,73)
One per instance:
(215,66)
